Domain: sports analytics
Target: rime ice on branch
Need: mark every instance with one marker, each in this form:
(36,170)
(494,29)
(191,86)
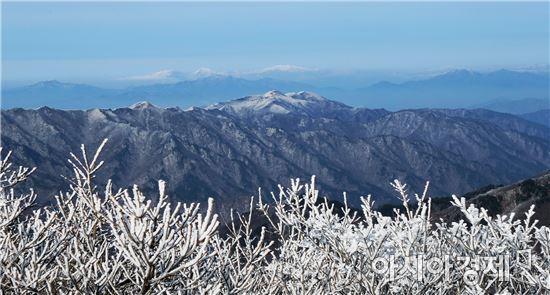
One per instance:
(106,241)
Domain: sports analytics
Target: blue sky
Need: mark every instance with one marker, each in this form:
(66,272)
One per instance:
(100,40)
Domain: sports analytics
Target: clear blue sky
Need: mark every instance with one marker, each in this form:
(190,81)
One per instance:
(108,40)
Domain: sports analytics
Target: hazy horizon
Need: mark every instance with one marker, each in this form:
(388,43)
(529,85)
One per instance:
(102,43)
(343,79)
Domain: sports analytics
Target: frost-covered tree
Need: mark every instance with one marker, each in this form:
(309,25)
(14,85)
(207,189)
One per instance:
(98,240)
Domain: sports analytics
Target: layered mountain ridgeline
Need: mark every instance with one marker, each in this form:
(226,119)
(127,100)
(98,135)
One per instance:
(183,93)
(228,150)
(500,90)
(516,106)
(505,91)
(542,117)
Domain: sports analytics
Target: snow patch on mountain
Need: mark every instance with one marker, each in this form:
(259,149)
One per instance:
(162,75)
(95,115)
(205,73)
(142,105)
(286,69)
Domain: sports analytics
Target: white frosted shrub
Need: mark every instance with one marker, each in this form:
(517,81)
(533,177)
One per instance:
(105,241)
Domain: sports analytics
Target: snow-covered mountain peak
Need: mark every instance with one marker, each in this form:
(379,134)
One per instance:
(142,105)
(165,75)
(204,72)
(275,101)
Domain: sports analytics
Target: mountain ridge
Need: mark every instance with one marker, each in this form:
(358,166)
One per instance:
(204,152)
(277,102)
(455,89)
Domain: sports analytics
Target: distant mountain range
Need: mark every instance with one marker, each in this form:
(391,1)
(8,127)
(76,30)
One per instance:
(187,93)
(542,117)
(228,150)
(458,89)
(516,106)
(503,91)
